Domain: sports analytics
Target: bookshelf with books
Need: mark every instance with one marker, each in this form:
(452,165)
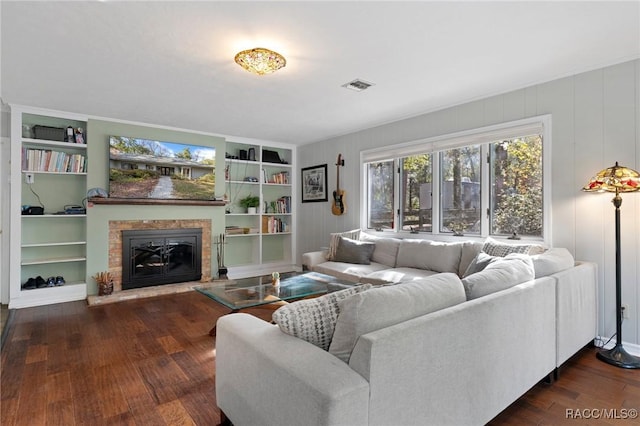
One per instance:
(48,238)
(262,242)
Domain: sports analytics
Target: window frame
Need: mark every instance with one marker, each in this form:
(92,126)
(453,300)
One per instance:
(433,145)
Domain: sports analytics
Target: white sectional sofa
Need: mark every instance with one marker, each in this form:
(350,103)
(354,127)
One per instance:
(438,347)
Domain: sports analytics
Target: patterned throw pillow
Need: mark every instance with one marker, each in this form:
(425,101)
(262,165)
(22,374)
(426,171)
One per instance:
(496,248)
(314,320)
(335,240)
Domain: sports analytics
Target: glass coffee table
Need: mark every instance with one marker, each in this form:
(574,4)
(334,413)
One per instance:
(258,291)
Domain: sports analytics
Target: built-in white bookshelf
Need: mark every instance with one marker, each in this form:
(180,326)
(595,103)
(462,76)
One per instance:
(260,242)
(50,174)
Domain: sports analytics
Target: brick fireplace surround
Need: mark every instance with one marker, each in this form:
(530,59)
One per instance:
(115,258)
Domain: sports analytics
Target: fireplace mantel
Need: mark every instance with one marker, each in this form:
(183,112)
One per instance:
(151,201)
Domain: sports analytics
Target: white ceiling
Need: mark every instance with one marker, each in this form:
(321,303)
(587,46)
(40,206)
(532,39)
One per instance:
(171,63)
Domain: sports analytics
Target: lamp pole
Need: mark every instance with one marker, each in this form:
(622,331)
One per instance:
(616,179)
(617,355)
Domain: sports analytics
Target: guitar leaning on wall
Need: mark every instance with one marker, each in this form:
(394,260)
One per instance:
(338,207)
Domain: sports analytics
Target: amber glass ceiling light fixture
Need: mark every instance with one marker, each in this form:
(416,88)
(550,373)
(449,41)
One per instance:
(616,179)
(260,60)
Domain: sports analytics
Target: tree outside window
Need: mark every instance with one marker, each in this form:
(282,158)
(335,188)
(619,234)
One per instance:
(416,212)
(516,186)
(460,190)
(380,196)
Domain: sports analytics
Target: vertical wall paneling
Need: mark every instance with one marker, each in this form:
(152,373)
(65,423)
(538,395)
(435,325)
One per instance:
(590,209)
(514,106)
(556,97)
(494,110)
(595,122)
(635,316)
(619,143)
(470,116)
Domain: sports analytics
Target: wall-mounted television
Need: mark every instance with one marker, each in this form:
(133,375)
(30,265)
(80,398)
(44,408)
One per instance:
(145,168)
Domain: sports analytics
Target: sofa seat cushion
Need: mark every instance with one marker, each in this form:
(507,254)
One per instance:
(386,306)
(386,249)
(348,271)
(396,275)
(431,255)
(551,261)
(506,272)
(314,320)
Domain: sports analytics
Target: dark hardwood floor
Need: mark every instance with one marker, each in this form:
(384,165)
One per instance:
(152,362)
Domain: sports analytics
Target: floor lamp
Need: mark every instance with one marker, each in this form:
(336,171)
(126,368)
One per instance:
(616,179)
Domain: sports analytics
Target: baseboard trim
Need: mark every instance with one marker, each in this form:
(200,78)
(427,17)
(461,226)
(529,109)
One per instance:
(632,348)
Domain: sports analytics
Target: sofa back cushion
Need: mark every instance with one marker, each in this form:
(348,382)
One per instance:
(431,255)
(551,261)
(386,249)
(314,320)
(500,274)
(385,306)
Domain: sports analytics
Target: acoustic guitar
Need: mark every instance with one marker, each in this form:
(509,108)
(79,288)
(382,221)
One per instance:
(338,207)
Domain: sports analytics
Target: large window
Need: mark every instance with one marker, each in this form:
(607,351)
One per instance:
(484,182)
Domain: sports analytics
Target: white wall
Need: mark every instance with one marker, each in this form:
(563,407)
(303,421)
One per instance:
(595,122)
(4,204)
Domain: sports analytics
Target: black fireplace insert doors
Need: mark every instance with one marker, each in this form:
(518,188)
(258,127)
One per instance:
(161,256)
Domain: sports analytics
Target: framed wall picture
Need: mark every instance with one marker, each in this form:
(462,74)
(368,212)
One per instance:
(314,184)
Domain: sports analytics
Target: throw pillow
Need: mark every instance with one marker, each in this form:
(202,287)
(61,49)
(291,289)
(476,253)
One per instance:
(551,261)
(470,250)
(351,251)
(506,272)
(382,307)
(314,320)
(496,248)
(334,239)
(481,261)
(386,250)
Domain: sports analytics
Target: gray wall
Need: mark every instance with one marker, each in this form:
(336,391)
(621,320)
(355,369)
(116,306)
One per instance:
(595,122)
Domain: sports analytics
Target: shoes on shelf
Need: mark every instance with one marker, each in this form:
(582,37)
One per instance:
(30,284)
(40,282)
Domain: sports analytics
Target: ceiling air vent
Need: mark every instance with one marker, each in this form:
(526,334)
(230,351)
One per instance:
(357,85)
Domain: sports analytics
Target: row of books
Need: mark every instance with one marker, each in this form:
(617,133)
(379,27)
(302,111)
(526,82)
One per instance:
(282,205)
(237,230)
(274,225)
(280,177)
(45,160)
